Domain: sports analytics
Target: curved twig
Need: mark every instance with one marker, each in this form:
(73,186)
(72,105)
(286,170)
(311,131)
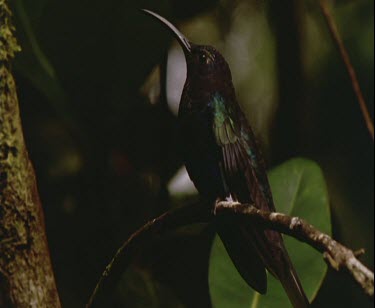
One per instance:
(168,221)
(348,65)
(336,255)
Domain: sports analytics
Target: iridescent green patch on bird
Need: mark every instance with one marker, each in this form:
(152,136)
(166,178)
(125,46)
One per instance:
(223,124)
(220,111)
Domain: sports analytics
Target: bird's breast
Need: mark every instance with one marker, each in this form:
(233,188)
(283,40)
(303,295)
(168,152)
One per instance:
(201,154)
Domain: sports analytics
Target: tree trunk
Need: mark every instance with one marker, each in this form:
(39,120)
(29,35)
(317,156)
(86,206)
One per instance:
(26,276)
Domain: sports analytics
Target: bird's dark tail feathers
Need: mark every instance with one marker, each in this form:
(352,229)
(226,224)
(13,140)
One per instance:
(247,249)
(244,256)
(293,288)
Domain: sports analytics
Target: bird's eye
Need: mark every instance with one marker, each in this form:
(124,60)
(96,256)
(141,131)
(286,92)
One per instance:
(203,58)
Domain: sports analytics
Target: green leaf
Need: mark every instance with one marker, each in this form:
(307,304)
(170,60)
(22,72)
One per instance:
(299,189)
(34,65)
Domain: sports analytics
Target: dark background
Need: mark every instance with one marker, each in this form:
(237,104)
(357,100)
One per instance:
(104,155)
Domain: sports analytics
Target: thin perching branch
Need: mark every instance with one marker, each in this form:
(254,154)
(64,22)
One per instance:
(348,65)
(337,256)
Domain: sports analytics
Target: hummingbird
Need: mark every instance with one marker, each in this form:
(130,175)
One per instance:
(224,162)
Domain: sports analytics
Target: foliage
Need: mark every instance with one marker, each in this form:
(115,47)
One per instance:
(104,155)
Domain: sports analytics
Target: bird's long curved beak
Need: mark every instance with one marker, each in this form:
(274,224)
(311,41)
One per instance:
(182,40)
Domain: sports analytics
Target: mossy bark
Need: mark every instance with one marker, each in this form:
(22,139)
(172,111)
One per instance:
(26,276)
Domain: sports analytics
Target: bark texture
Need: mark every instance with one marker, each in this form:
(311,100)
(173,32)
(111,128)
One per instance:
(26,276)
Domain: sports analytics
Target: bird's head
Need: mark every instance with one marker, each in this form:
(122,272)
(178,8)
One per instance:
(206,67)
